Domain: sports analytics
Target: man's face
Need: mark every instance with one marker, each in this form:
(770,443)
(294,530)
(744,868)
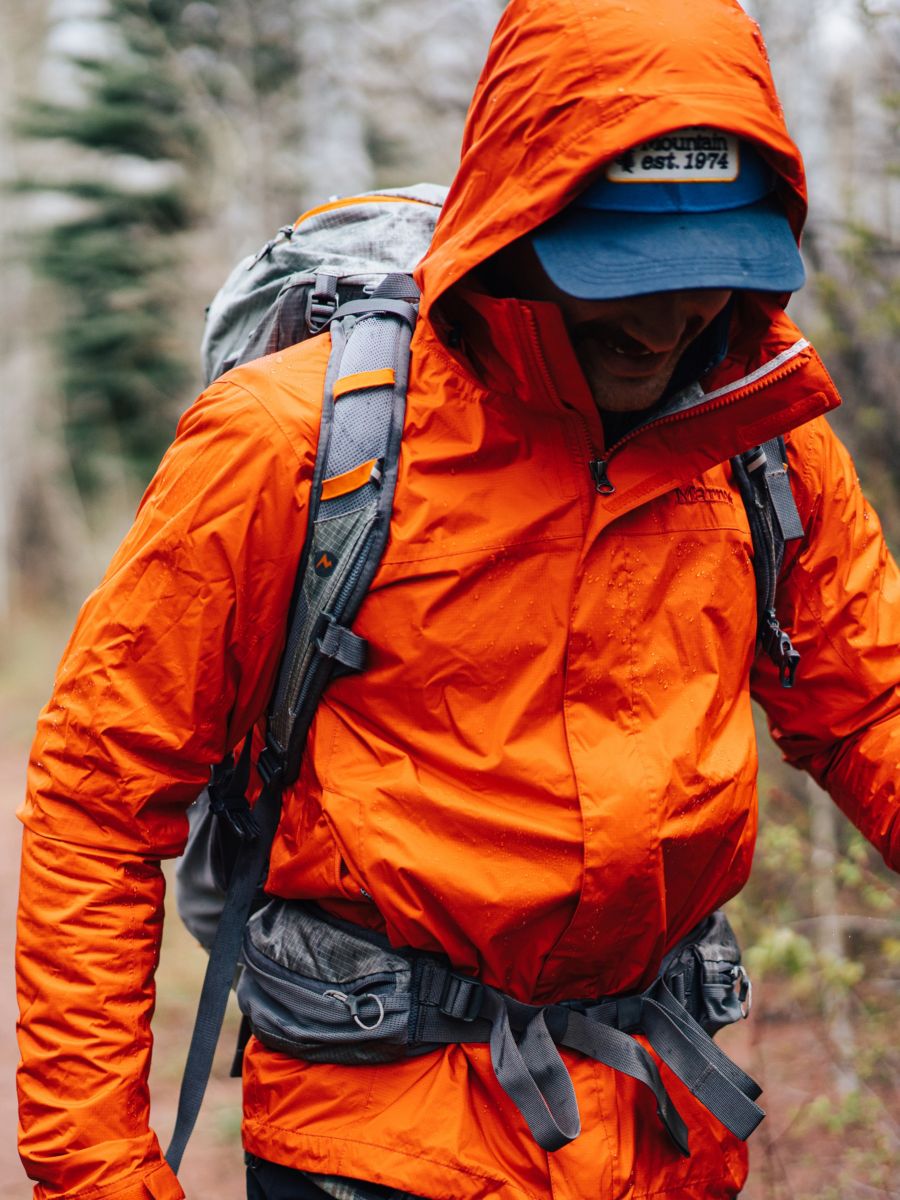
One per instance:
(627,348)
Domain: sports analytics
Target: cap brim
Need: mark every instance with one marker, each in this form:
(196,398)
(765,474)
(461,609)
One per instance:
(596,255)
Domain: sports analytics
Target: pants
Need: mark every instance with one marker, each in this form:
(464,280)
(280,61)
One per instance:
(269,1181)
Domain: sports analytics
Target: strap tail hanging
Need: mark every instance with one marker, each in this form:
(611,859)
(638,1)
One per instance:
(247,875)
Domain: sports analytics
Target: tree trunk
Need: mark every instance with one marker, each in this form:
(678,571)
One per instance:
(829,935)
(334,156)
(21,41)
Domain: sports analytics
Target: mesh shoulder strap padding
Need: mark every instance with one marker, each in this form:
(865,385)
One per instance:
(764,483)
(350,509)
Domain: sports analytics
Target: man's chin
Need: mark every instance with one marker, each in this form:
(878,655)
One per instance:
(615,394)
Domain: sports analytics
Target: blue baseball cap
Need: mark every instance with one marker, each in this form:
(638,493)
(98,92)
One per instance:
(695,208)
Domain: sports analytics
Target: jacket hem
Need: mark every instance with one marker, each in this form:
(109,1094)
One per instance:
(353,1158)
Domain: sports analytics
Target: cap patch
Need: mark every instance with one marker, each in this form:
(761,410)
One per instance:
(694,155)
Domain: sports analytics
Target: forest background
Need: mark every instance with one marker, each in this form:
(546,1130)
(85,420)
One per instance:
(145,145)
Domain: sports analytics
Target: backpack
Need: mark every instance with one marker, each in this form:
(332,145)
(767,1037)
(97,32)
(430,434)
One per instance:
(346,266)
(333,254)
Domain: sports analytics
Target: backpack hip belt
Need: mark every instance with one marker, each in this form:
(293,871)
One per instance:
(323,990)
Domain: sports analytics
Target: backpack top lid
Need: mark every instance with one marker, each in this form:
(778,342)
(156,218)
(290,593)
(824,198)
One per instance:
(357,239)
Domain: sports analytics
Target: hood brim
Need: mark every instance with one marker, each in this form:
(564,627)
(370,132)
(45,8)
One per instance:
(569,86)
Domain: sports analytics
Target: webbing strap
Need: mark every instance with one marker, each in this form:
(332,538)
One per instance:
(663,997)
(762,478)
(779,486)
(398,286)
(533,1075)
(717,1082)
(614,1048)
(251,864)
(360,380)
(524,1039)
(342,644)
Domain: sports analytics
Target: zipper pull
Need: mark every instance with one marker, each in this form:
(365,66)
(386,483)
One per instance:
(779,647)
(601,479)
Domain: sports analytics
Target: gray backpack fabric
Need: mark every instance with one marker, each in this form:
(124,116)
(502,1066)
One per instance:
(333,254)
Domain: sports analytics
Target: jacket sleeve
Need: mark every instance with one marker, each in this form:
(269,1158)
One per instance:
(839,595)
(171,661)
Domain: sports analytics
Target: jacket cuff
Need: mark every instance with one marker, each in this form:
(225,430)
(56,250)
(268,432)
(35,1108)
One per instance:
(160,1184)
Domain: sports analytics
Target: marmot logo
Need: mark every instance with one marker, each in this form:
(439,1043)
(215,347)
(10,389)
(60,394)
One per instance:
(692,494)
(325,564)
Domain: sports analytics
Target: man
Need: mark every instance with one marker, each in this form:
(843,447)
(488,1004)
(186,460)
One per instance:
(547,773)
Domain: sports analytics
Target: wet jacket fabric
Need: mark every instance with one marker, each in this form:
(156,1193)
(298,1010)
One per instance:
(547,773)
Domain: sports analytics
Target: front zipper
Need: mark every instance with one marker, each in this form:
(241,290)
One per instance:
(596,465)
(601,480)
(599,467)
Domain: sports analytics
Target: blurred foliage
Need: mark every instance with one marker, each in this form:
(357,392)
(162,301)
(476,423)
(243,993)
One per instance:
(854,256)
(118,261)
(856,284)
(826,974)
(777,911)
(194,129)
(114,263)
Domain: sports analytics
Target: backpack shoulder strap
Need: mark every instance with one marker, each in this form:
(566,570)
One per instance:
(350,508)
(764,482)
(350,511)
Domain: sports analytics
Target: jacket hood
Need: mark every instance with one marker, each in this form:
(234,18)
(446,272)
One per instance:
(570,84)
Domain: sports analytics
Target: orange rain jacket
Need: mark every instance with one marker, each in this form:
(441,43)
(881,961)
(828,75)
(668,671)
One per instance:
(548,772)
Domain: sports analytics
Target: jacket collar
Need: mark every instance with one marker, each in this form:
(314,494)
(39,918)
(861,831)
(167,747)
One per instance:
(770,382)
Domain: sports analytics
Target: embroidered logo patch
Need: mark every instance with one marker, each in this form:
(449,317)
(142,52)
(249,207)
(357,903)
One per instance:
(695,155)
(697,494)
